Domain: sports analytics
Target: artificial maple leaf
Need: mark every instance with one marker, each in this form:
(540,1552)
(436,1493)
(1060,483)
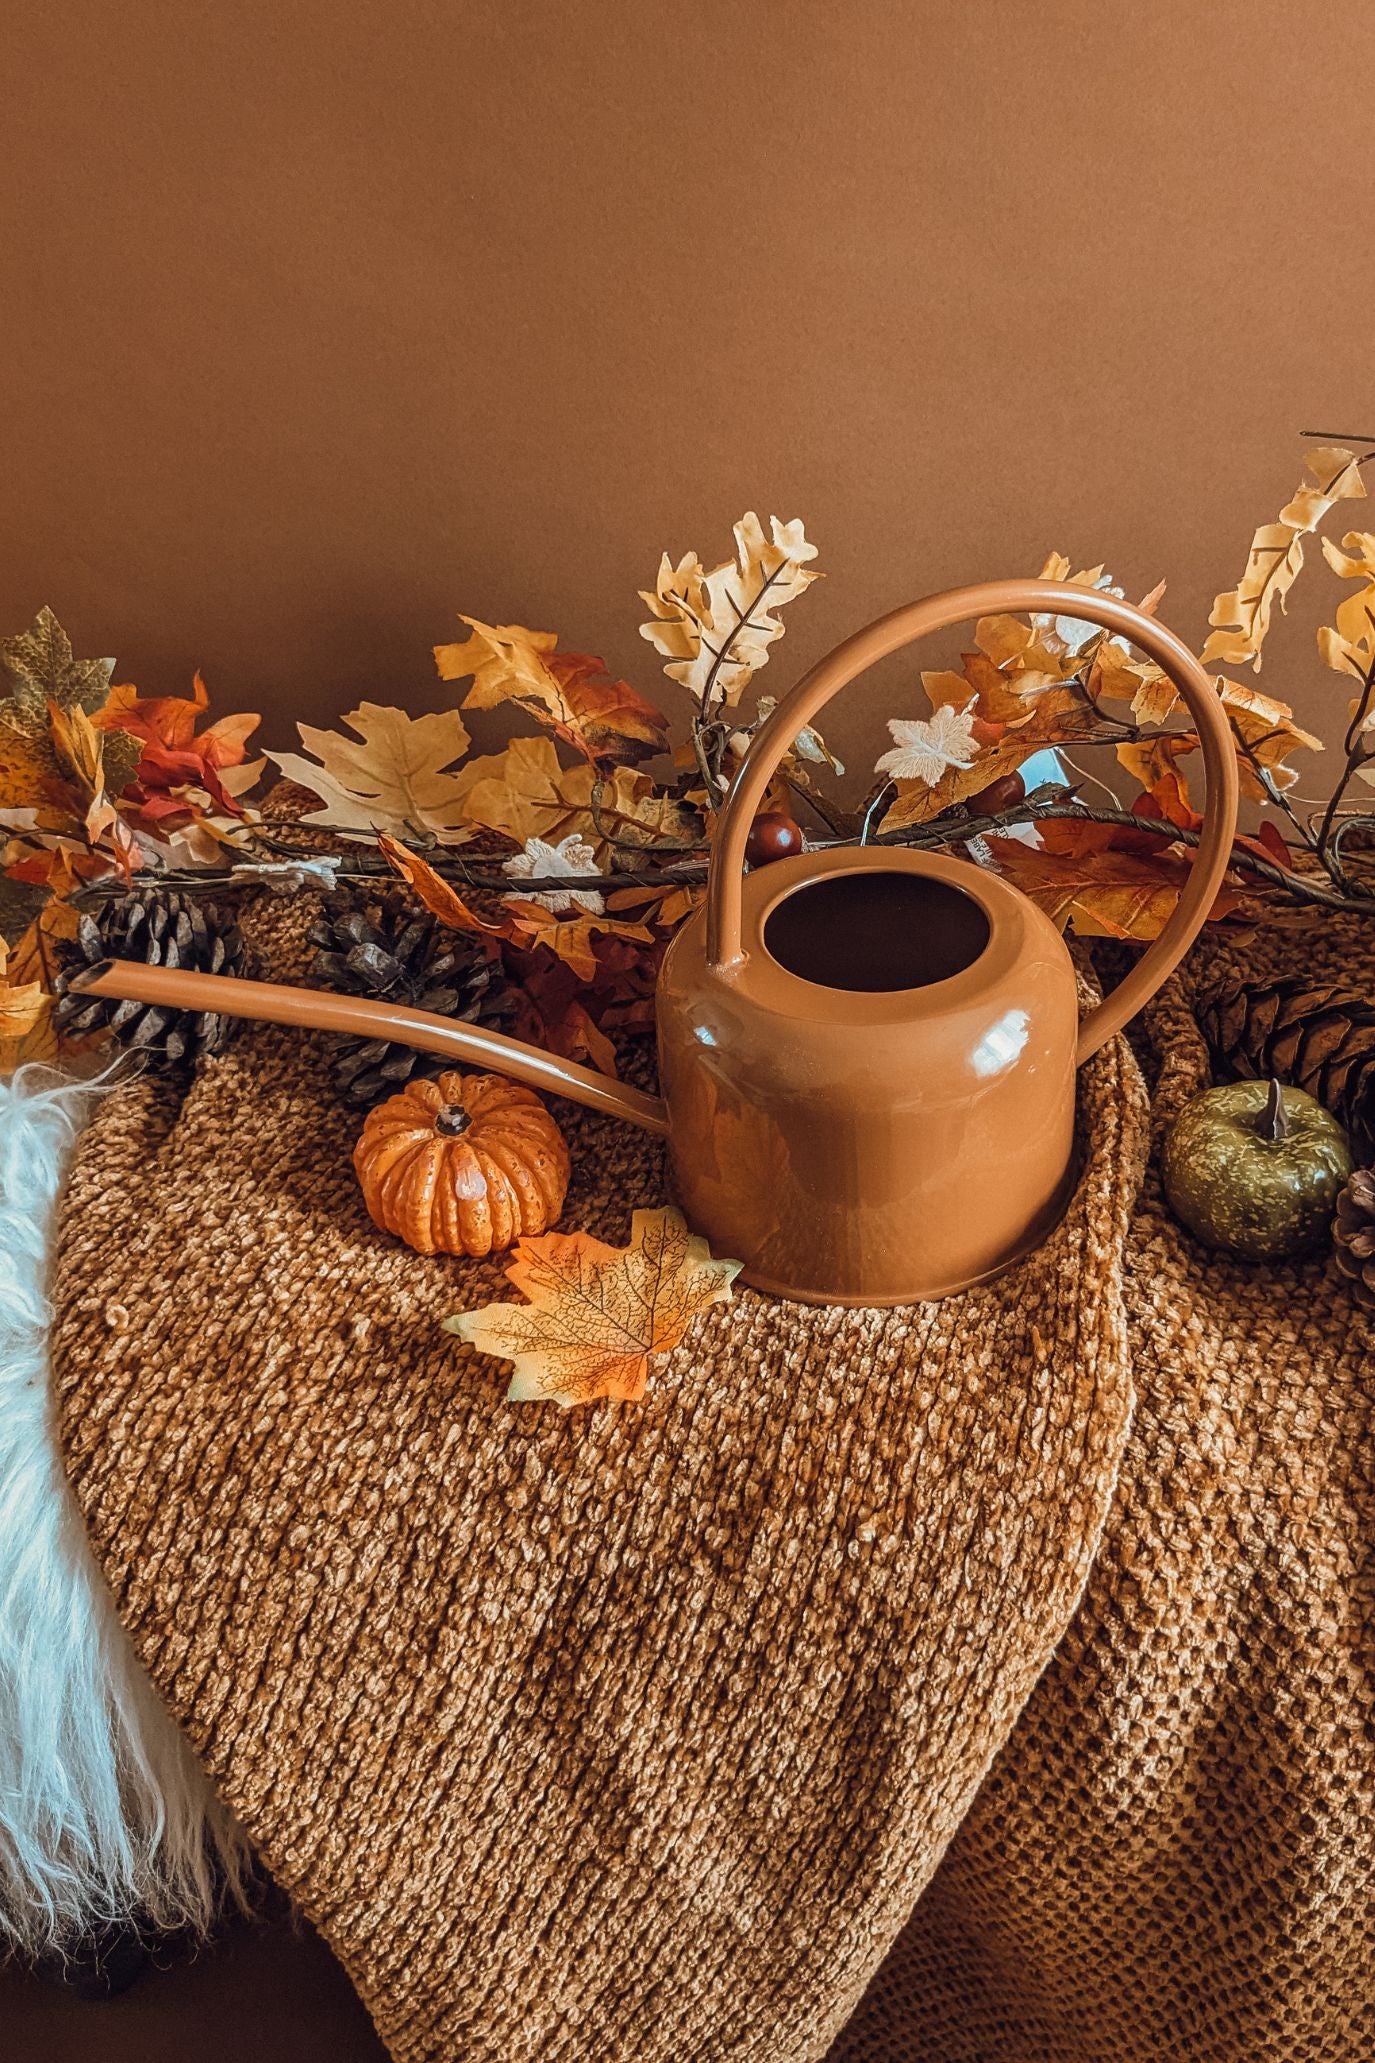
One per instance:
(1007,748)
(524,793)
(393,777)
(1100,891)
(39,669)
(715,628)
(42,676)
(31,778)
(571,693)
(924,748)
(1242,616)
(605,719)
(570,936)
(1115,673)
(597,1314)
(182,773)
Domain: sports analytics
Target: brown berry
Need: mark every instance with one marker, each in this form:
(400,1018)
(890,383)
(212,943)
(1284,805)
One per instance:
(1004,793)
(773,836)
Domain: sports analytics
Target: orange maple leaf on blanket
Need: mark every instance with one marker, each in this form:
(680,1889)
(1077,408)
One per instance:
(598,1314)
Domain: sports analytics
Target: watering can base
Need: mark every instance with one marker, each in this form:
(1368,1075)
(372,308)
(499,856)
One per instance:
(925,1292)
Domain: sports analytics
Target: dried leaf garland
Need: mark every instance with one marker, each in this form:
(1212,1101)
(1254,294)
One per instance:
(597,1315)
(570,935)
(395,775)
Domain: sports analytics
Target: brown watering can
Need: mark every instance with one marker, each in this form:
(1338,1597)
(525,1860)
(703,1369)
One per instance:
(867,1053)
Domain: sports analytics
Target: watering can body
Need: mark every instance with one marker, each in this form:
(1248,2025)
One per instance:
(867,1054)
(861,1145)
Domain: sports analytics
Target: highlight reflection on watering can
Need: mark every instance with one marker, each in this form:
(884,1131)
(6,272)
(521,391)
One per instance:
(868,1053)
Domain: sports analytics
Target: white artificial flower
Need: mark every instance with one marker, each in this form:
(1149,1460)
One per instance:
(572,856)
(924,747)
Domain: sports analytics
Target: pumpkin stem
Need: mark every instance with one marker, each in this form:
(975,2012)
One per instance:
(1273,1123)
(451,1120)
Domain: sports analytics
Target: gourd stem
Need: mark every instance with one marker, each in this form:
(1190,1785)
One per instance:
(452,1120)
(1274,1119)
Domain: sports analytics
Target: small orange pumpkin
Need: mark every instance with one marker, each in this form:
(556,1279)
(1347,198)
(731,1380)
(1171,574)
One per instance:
(467,1164)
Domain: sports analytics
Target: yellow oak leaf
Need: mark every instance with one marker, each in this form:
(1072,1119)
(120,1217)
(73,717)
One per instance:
(393,776)
(1267,733)
(715,628)
(597,1315)
(1349,647)
(1242,616)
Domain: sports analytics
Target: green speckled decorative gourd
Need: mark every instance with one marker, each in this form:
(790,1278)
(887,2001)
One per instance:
(1256,1170)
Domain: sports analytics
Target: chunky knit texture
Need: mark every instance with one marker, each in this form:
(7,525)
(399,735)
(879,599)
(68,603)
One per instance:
(637,1733)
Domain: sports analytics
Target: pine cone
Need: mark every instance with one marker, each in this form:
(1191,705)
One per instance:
(164,929)
(1353,1233)
(385,947)
(1313,1034)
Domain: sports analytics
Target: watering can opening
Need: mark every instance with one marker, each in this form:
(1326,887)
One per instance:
(876,932)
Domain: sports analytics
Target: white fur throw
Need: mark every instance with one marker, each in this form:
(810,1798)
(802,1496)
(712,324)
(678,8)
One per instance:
(104,1812)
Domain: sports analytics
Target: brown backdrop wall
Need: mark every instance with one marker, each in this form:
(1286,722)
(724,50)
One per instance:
(325,319)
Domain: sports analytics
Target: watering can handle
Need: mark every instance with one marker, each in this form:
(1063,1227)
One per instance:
(938,612)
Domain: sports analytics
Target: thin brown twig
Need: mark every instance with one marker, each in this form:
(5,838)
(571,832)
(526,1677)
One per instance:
(946,830)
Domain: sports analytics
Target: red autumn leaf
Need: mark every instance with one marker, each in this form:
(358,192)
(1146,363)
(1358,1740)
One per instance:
(176,757)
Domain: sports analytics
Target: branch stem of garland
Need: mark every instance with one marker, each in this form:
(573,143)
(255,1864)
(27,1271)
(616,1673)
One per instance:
(1300,888)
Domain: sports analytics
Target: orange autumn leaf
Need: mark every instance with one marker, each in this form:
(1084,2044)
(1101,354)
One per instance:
(1154,762)
(571,693)
(605,719)
(1101,891)
(440,898)
(25,1021)
(567,934)
(597,1315)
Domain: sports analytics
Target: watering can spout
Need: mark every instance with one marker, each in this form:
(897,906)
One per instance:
(469,1045)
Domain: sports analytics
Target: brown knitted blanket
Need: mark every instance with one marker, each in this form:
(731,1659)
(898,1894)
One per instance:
(664,1732)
